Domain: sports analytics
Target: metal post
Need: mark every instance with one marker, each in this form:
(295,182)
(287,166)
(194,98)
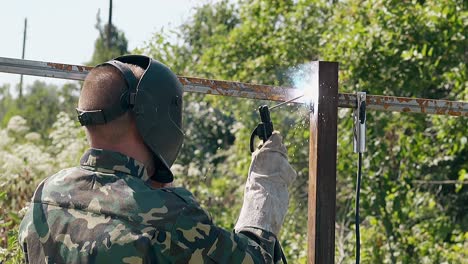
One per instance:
(322,163)
(22,57)
(109,26)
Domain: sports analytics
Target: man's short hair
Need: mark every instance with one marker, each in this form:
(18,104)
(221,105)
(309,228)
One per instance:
(102,89)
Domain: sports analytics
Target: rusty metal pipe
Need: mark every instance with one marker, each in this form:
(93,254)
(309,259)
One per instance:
(406,104)
(247,90)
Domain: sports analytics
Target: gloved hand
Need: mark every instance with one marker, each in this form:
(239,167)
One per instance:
(266,196)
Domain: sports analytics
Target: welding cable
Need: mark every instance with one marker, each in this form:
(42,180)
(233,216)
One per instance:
(358,190)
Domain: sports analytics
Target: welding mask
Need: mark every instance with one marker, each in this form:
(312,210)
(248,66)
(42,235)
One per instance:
(156,101)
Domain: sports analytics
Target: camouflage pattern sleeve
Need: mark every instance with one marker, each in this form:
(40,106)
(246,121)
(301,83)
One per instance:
(104,212)
(211,244)
(259,246)
(267,241)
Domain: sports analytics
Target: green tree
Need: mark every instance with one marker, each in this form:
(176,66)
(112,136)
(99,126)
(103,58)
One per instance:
(6,100)
(407,49)
(111,43)
(26,160)
(40,105)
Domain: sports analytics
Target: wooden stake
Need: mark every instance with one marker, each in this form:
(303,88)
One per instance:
(322,163)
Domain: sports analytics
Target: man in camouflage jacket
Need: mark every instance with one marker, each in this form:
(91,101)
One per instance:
(112,209)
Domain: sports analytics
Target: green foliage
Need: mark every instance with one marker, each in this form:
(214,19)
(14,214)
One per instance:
(6,100)
(26,160)
(407,49)
(39,105)
(9,222)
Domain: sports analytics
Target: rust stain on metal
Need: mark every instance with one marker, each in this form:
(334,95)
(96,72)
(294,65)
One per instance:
(455,113)
(378,101)
(84,68)
(255,91)
(423,104)
(68,67)
(258,91)
(346,97)
(387,98)
(60,66)
(416,105)
(383,101)
(403,99)
(440,110)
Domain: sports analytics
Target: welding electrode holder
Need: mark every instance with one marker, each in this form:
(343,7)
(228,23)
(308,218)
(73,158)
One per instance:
(264,129)
(360,123)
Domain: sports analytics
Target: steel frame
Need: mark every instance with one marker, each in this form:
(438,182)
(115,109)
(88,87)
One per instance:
(247,90)
(323,128)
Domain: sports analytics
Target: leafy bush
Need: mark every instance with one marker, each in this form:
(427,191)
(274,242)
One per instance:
(26,160)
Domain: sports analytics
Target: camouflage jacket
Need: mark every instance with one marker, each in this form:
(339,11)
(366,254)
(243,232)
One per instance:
(105,212)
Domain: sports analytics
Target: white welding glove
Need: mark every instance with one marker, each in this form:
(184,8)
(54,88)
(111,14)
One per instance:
(266,196)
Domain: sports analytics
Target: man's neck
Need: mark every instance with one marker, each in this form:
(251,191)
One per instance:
(131,148)
(137,152)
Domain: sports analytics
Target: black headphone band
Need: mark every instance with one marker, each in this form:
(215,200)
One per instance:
(128,76)
(127,99)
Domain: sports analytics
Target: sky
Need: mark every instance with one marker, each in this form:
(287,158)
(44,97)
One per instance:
(64,31)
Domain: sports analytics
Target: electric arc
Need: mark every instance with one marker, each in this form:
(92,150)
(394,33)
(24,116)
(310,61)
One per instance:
(265,128)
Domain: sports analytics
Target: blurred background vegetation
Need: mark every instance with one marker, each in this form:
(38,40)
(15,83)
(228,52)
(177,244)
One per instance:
(414,205)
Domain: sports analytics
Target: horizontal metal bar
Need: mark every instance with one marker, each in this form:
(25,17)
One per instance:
(407,105)
(246,90)
(44,69)
(238,89)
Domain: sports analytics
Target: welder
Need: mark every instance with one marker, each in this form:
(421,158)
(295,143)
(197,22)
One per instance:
(119,206)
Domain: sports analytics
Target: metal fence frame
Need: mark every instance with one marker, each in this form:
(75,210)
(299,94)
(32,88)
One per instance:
(323,128)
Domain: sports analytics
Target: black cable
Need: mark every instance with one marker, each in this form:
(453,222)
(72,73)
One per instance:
(358,190)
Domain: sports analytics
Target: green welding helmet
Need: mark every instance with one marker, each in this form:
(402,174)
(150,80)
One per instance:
(156,101)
